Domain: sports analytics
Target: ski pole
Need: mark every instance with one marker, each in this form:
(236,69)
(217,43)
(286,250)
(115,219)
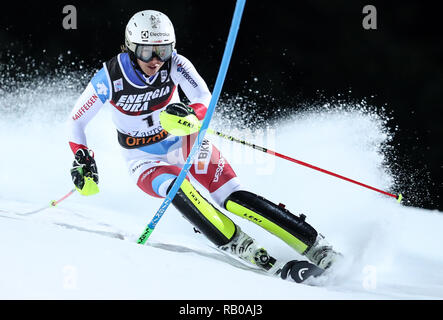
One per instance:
(56,202)
(190,125)
(229,47)
(53,203)
(399,197)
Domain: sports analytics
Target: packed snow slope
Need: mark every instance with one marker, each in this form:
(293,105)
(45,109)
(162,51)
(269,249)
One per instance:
(85,248)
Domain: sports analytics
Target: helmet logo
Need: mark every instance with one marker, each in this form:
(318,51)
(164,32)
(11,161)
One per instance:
(145,35)
(155,21)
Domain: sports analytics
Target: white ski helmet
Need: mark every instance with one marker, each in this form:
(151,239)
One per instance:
(150,33)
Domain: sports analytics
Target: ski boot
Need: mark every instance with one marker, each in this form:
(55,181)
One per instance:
(247,249)
(321,253)
(321,257)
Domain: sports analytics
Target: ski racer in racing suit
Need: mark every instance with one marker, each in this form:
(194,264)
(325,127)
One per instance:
(137,85)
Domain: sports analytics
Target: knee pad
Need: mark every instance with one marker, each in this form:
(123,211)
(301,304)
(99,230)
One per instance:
(217,227)
(293,230)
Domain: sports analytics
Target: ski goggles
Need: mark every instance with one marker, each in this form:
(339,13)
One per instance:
(146,52)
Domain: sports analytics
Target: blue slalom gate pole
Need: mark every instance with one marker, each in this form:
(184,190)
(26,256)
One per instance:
(233,31)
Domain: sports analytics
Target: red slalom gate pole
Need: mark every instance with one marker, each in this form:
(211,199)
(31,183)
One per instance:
(399,197)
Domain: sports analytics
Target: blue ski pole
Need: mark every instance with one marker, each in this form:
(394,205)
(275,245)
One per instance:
(240,4)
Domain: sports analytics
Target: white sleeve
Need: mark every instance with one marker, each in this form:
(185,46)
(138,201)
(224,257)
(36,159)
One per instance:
(184,74)
(85,108)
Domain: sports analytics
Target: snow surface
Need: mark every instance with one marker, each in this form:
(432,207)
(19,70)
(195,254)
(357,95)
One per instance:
(85,248)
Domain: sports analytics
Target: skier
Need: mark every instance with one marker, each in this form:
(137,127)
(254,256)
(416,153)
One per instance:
(137,85)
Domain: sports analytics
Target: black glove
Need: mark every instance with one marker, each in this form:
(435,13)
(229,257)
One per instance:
(83,166)
(179,109)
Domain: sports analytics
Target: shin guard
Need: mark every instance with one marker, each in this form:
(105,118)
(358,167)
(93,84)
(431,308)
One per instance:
(276,219)
(218,228)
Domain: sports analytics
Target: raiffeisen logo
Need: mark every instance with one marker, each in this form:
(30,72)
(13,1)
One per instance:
(85,107)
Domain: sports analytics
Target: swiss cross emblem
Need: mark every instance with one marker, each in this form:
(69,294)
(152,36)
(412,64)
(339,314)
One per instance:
(145,34)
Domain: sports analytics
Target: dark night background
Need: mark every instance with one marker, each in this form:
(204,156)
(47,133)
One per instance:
(299,52)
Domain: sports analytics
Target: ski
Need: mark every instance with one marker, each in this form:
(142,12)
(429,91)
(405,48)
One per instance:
(297,270)
(300,270)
